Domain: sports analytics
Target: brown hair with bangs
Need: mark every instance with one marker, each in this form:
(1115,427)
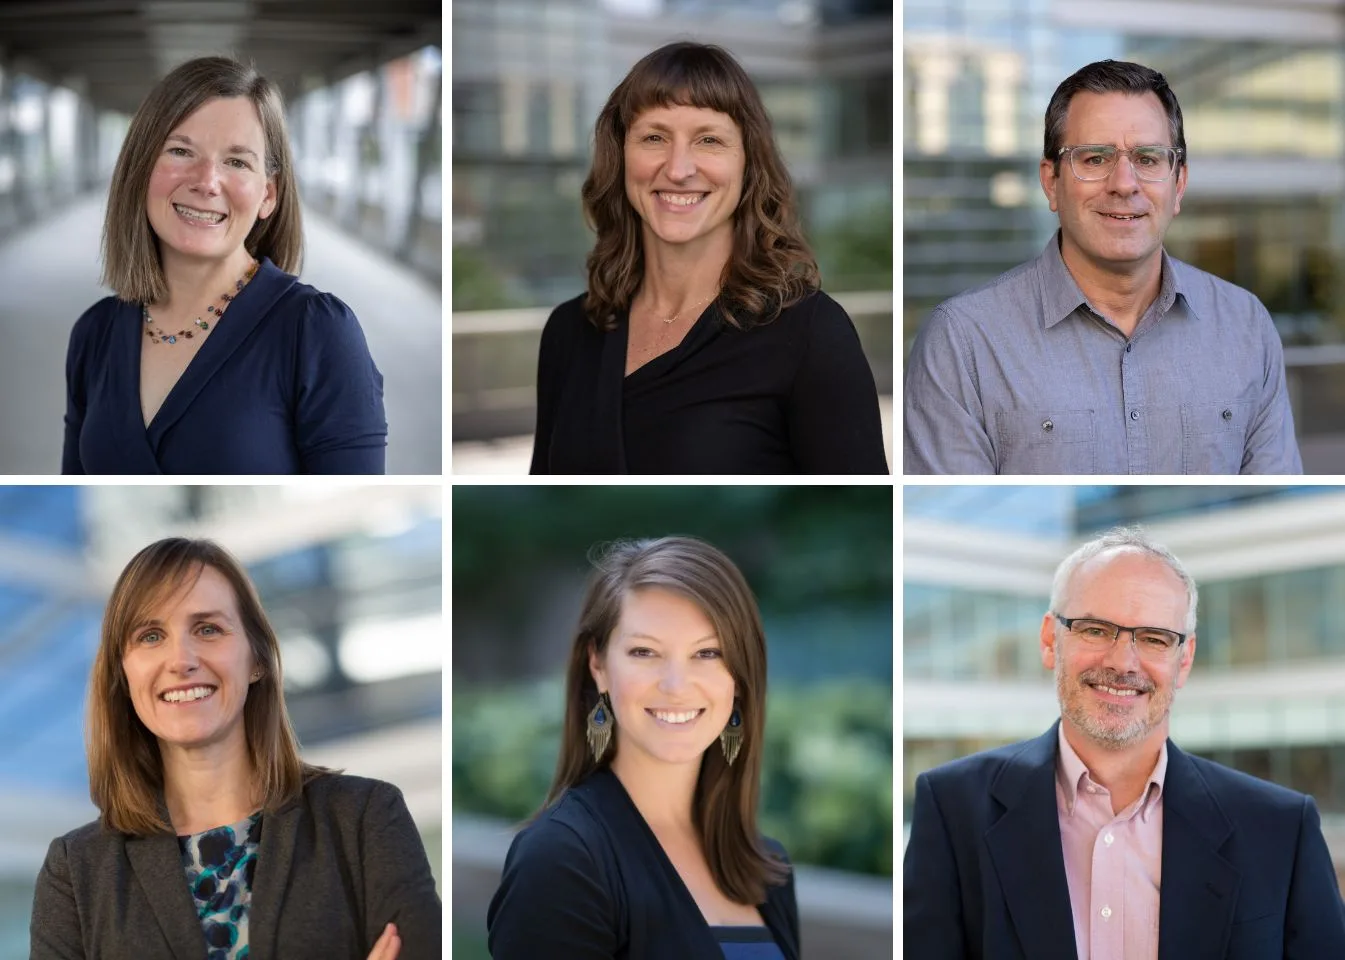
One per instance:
(771,266)
(125,767)
(725,804)
(131,264)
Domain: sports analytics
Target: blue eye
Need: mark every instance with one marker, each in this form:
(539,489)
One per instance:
(150,636)
(711,654)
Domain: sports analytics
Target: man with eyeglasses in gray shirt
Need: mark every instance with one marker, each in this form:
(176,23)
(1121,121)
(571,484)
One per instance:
(1103,355)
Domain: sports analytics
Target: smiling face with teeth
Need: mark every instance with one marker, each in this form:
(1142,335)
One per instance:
(209,184)
(664,670)
(684,176)
(188,666)
(1113,226)
(1112,698)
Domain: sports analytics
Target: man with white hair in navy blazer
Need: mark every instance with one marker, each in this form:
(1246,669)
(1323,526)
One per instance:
(1100,839)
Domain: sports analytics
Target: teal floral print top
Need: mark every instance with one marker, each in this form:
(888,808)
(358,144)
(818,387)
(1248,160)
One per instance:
(220,864)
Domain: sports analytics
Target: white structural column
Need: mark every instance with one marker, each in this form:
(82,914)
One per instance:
(935,70)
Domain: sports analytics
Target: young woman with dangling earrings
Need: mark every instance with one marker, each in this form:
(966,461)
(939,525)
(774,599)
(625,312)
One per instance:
(647,844)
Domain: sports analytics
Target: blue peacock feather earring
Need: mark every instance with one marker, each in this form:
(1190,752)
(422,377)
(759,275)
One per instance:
(599,728)
(731,739)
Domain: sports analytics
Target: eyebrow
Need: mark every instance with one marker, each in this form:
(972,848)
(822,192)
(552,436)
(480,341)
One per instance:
(703,128)
(195,618)
(236,148)
(645,636)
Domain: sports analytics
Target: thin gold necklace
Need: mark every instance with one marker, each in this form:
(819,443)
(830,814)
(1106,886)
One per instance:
(673,319)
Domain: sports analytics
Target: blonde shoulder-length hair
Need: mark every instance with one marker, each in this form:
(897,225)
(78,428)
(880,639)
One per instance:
(125,768)
(131,264)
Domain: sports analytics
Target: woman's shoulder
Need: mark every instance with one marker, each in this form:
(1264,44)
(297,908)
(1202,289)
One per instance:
(93,322)
(336,792)
(816,306)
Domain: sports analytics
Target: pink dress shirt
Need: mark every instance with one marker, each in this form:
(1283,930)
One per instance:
(1113,862)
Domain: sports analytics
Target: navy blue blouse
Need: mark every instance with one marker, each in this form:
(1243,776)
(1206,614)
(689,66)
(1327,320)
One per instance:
(284,384)
(747,943)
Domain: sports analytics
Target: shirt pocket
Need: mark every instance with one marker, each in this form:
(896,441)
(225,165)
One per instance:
(1049,441)
(1214,436)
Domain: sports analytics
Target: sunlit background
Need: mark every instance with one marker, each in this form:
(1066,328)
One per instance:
(1262,91)
(363,85)
(819,560)
(1267,692)
(350,577)
(529,79)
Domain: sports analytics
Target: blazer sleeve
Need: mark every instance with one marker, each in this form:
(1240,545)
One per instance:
(399,887)
(552,901)
(340,426)
(550,367)
(932,899)
(76,393)
(834,422)
(54,931)
(1315,917)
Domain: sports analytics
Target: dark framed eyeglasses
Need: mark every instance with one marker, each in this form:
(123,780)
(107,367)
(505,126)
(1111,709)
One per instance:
(1151,643)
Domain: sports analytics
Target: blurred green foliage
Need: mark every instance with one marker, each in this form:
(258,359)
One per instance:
(856,253)
(799,547)
(826,778)
(477,284)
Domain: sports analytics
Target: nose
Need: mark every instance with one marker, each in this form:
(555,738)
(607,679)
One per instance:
(1122,178)
(681,163)
(182,655)
(673,677)
(205,177)
(1123,657)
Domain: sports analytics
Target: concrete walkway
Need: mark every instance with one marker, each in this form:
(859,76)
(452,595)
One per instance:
(49,276)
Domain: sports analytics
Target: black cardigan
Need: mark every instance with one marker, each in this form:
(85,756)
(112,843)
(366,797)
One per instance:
(589,881)
(794,395)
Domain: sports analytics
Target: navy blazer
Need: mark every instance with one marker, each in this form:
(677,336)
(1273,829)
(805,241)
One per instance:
(334,866)
(589,881)
(284,384)
(1246,872)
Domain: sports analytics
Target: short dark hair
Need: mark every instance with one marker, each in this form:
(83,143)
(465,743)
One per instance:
(1111,76)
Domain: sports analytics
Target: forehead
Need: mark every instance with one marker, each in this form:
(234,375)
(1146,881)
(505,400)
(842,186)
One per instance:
(232,118)
(682,117)
(192,591)
(664,615)
(1129,587)
(1120,119)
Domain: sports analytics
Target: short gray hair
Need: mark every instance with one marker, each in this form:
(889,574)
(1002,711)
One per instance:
(1122,538)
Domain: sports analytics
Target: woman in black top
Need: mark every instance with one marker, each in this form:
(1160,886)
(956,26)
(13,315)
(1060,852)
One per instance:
(703,344)
(647,846)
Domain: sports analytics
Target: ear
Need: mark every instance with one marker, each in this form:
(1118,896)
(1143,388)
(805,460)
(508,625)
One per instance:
(1048,651)
(268,199)
(595,668)
(1177,206)
(1049,181)
(1188,658)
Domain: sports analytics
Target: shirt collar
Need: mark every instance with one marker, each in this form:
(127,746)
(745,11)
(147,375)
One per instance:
(1071,772)
(1062,296)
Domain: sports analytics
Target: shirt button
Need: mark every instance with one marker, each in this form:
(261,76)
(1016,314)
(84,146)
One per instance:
(1227,414)
(1106,913)
(1108,839)
(1134,414)
(1128,346)
(1047,425)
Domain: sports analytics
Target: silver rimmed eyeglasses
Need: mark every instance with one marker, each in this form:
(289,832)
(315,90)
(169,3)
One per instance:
(1155,644)
(1096,161)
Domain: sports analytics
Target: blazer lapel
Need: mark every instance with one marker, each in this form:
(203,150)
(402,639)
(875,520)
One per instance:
(1025,848)
(157,865)
(275,857)
(1199,887)
(245,314)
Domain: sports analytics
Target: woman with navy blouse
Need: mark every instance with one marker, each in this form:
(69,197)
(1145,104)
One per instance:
(647,845)
(212,358)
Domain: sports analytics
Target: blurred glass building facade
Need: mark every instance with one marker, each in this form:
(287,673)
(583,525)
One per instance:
(1262,90)
(1267,692)
(351,579)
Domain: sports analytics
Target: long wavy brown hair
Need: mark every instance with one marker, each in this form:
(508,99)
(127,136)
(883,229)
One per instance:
(725,803)
(125,767)
(771,266)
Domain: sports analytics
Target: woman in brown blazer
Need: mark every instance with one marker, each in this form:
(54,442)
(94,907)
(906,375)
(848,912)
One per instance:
(215,840)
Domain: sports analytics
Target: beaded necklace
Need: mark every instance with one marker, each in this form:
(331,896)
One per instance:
(158,336)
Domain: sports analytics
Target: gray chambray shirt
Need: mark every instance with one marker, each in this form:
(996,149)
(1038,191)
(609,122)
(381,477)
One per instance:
(1022,375)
